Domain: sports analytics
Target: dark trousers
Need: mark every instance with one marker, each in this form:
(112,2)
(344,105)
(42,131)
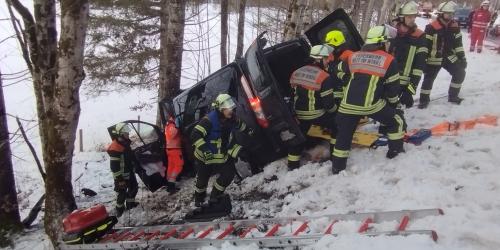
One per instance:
(347,124)
(129,193)
(325,121)
(226,174)
(456,71)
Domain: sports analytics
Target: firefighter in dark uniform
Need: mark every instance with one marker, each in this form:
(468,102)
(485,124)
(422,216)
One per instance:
(373,90)
(409,48)
(122,162)
(314,103)
(215,148)
(444,42)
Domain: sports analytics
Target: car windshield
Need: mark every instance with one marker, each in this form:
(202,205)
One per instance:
(462,12)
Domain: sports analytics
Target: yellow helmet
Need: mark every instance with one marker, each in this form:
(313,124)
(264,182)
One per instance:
(335,38)
(121,129)
(380,34)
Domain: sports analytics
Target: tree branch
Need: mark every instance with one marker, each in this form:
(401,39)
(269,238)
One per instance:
(32,149)
(30,23)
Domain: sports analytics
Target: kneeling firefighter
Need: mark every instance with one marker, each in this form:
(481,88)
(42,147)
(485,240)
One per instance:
(216,150)
(122,161)
(373,91)
(314,101)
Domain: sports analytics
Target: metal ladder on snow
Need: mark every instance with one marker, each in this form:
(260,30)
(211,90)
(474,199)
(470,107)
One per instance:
(273,232)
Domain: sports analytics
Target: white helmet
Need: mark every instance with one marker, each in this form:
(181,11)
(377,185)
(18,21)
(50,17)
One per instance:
(447,7)
(485,3)
(320,51)
(121,128)
(409,8)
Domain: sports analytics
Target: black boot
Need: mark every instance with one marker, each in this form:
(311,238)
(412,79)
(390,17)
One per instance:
(120,210)
(395,147)
(293,165)
(131,204)
(424,101)
(171,188)
(455,99)
(453,96)
(338,164)
(199,198)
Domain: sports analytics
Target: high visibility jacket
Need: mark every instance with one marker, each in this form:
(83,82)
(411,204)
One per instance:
(374,78)
(121,160)
(313,92)
(481,18)
(172,135)
(410,51)
(214,134)
(443,41)
(333,64)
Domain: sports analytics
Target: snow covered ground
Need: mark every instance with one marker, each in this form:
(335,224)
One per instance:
(459,174)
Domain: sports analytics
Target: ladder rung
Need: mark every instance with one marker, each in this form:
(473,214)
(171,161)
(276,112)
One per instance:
(152,235)
(139,235)
(110,236)
(404,223)
(244,233)
(365,225)
(330,227)
(186,233)
(205,233)
(300,229)
(122,236)
(228,230)
(273,230)
(169,234)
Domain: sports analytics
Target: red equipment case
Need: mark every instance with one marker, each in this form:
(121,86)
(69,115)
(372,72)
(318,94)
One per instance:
(81,219)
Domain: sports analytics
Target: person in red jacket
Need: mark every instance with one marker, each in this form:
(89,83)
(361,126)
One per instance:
(174,152)
(480,21)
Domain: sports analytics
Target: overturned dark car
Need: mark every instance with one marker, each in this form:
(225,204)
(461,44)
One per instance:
(259,84)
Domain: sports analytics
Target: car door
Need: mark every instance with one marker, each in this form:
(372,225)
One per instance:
(264,96)
(148,145)
(337,20)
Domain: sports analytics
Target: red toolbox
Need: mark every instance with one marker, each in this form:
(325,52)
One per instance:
(81,219)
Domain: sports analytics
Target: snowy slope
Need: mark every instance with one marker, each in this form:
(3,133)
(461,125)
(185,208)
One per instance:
(459,174)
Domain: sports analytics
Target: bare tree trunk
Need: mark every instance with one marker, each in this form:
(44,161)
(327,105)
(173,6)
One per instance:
(57,76)
(163,90)
(241,28)
(9,209)
(223,33)
(305,18)
(367,17)
(384,12)
(172,38)
(355,12)
(295,11)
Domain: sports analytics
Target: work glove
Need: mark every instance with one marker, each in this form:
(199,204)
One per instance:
(207,155)
(120,184)
(406,99)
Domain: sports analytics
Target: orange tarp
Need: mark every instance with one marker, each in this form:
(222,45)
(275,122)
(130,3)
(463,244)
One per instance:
(452,128)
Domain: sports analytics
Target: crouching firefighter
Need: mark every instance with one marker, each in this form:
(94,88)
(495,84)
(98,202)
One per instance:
(215,150)
(122,162)
(314,101)
(372,91)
